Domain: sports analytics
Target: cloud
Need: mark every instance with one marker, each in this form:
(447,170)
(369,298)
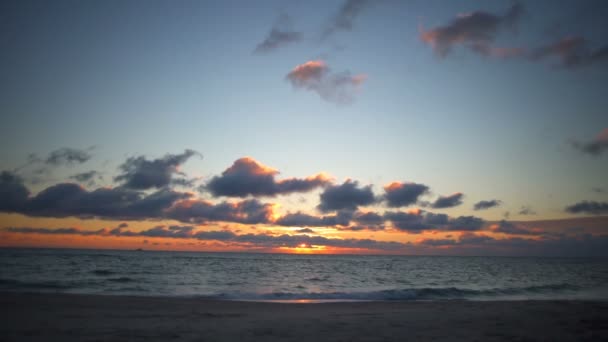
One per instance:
(255,240)
(526,210)
(305,231)
(343,20)
(198,211)
(483,205)
(588,207)
(403,194)
(572,52)
(509,228)
(347,196)
(462,223)
(417,221)
(596,146)
(139,173)
(13,193)
(88,177)
(448,201)
(476,30)
(368,218)
(67,156)
(333,87)
(299,219)
(72,200)
(67,199)
(280,35)
(247,177)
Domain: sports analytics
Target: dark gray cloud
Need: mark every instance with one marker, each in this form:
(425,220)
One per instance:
(368,218)
(139,173)
(58,231)
(280,35)
(588,207)
(333,87)
(71,200)
(299,219)
(476,30)
(89,177)
(482,205)
(305,231)
(526,210)
(464,223)
(67,156)
(67,199)
(506,227)
(13,193)
(403,194)
(596,146)
(417,221)
(198,211)
(572,52)
(347,196)
(344,19)
(582,245)
(248,177)
(448,201)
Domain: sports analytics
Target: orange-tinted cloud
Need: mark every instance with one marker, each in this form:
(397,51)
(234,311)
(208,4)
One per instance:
(334,87)
(476,30)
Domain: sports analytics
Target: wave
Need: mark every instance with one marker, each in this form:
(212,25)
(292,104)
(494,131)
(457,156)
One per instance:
(103,272)
(22,285)
(121,280)
(445,293)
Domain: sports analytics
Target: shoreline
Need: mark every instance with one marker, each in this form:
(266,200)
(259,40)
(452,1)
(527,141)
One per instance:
(82,317)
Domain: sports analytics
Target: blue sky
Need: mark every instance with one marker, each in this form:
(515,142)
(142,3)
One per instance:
(155,77)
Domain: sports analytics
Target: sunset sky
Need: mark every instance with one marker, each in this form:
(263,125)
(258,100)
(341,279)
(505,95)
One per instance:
(357,126)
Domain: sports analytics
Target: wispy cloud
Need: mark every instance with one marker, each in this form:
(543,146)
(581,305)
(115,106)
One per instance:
(571,52)
(89,177)
(596,146)
(140,173)
(344,19)
(281,34)
(476,30)
(526,210)
(510,228)
(67,156)
(316,76)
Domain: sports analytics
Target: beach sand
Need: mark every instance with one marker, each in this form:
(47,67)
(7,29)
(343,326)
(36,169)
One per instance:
(64,317)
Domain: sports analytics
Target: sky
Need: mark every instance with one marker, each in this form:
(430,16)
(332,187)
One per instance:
(351,126)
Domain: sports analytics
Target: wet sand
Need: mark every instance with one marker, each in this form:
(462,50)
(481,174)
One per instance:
(64,317)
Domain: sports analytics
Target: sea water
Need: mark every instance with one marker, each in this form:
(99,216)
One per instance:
(283,277)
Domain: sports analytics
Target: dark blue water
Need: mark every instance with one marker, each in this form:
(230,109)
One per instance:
(295,277)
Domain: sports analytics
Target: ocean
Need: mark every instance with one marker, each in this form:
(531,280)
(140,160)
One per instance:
(301,278)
